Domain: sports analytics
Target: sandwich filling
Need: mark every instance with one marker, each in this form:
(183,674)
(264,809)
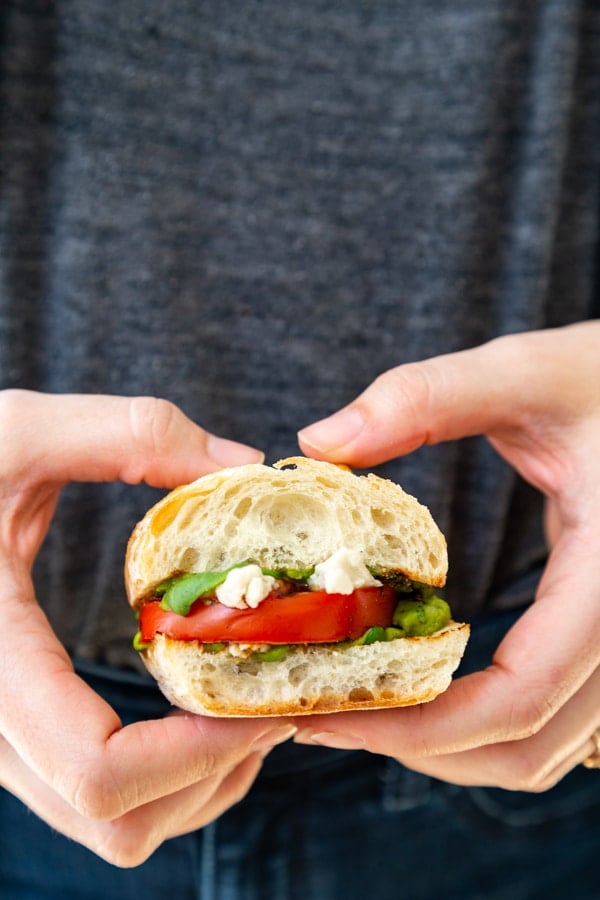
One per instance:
(249,609)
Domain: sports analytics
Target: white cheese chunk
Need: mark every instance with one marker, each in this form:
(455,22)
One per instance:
(245,587)
(243,651)
(342,573)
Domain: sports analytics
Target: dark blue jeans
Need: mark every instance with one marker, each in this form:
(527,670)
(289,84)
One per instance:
(332,825)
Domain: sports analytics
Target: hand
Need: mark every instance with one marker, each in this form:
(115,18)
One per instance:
(63,751)
(528,719)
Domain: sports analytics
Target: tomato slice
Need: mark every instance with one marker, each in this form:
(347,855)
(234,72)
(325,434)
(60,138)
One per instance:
(309,617)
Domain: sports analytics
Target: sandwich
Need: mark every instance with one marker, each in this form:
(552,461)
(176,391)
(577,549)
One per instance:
(292,589)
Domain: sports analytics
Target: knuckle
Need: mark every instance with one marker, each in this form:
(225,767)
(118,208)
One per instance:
(93,793)
(409,384)
(410,390)
(530,708)
(123,847)
(418,748)
(541,785)
(209,766)
(152,422)
(524,771)
(524,721)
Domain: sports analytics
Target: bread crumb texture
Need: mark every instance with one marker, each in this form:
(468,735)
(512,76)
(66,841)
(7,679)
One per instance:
(291,517)
(311,679)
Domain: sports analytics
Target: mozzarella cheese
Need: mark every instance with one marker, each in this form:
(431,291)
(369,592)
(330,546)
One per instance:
(342,573)
(245,587)
(243,651)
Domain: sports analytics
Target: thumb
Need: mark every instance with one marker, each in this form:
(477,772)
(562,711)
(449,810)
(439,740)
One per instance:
(71,437)
(444,398)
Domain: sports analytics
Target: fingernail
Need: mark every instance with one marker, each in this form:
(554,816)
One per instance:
(271,738)
(335,431)
(230,453)
(330,739)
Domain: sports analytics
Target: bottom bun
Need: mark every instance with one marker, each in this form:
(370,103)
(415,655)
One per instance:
(311,678)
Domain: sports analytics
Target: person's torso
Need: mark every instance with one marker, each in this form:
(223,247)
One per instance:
(255,208)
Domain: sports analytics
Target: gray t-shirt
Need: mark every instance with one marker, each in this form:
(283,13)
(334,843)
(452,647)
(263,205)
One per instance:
(254,208)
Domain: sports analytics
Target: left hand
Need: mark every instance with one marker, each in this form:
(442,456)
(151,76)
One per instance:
(120,790)
(528,719)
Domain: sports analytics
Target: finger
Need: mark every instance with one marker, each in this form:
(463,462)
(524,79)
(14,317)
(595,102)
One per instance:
(443,398)
(230,790)
(134,837)
(106,438)
(100,768)
(532,764)
(543,661)
(477,391)
(130,839)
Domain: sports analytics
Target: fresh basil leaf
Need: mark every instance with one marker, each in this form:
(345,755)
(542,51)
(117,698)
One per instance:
(185,590)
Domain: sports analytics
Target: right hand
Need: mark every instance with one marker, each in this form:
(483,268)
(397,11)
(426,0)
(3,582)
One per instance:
(120,791)
(527,719)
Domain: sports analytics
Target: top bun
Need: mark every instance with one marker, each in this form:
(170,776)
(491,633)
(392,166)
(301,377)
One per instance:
(290,516)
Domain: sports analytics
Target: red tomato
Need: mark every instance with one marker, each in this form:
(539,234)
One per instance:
(310,617)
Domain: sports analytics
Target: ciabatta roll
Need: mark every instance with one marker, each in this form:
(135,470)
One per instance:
(298,588)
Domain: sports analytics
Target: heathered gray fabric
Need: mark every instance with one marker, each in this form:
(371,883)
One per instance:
(254,208)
